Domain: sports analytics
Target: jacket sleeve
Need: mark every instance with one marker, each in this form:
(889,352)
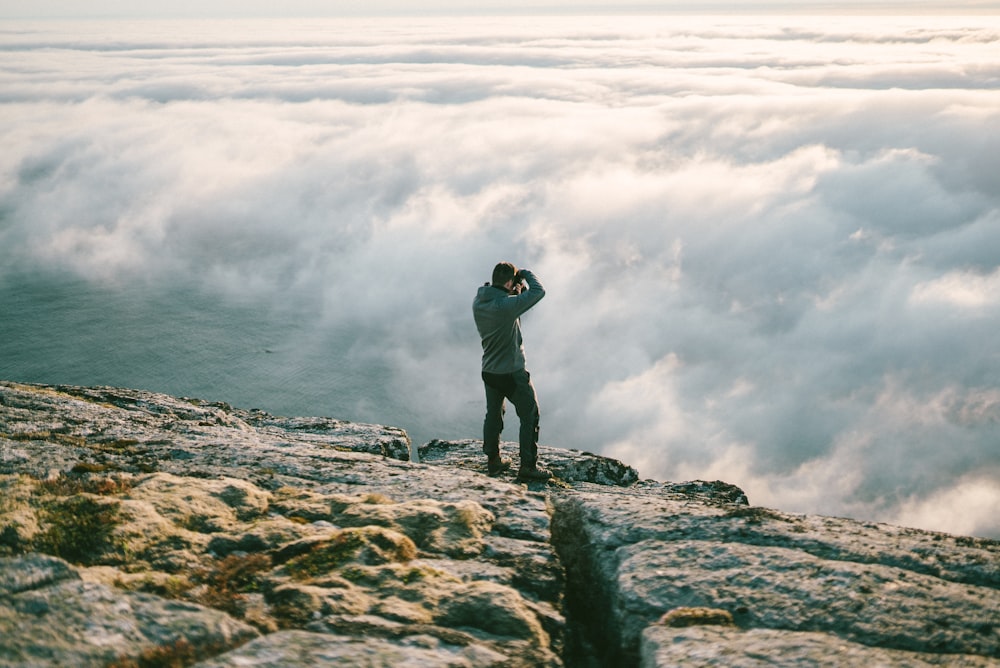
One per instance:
(529,297)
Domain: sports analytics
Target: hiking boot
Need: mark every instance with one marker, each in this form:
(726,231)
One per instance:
(496,465)
(534,474)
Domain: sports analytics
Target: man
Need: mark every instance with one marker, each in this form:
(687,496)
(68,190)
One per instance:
(497,310)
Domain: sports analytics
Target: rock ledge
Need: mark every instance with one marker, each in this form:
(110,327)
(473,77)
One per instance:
(139,529)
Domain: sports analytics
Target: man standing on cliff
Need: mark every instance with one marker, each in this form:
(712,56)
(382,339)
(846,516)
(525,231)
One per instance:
(497,310)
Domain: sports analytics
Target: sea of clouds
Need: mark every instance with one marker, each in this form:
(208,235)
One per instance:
(771,245)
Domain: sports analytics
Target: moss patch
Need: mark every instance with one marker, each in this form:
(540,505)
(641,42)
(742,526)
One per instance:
(230,580)
(81,481)
(30,436)
(79,528)
(364,545)
(177,654)
(682,617)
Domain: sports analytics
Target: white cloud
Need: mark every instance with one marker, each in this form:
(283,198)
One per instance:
(962,289)
(770,249)
(971,507)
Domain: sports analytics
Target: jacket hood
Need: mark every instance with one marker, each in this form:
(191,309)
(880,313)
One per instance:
(488,293)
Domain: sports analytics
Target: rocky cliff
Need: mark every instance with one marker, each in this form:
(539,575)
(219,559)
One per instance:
(138,529)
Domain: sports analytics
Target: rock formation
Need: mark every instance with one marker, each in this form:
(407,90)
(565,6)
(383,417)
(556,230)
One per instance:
(138,529)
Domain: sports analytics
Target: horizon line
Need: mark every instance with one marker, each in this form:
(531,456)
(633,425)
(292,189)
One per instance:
(717,8)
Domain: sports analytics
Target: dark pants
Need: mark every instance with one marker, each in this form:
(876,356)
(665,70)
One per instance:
(518,388)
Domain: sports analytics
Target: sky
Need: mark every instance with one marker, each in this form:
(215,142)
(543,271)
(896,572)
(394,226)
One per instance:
(316,8)
(771,245)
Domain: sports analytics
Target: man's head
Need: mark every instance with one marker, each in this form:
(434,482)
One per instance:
(503,274)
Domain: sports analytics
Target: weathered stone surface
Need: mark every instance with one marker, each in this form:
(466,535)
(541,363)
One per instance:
(567,465)
(50,617)
(714,646)
(279,523)
(634,554)
(301,648)
(158,529)
(777,587)
(32,572)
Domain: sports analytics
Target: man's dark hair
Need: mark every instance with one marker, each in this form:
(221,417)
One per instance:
(503,272)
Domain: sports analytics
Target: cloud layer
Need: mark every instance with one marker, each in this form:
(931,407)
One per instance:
(771,246)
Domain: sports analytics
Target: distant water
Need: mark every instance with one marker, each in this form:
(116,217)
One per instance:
(182,342)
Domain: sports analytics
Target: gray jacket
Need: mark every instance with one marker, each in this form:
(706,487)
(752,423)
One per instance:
(497,317)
